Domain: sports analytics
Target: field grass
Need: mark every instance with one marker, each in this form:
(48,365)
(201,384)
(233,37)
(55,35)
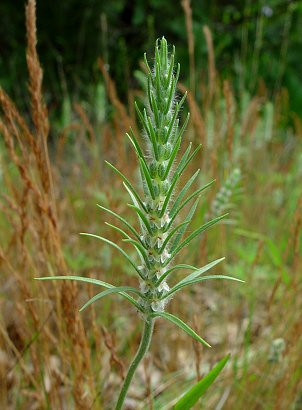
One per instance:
(52,356)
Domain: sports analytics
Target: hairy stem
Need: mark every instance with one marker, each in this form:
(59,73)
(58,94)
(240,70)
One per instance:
(142,350)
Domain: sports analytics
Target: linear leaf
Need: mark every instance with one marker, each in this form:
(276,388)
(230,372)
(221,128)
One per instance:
(121,219)
(116,228)
(147,65)
(168,196)
(119,289)
(141,117)
(172,124)
(135,144)
(178,322)
(153,138)
(175,267)
(136,204)
(139,247)
(183,158)
(172,157)
(183,128)
(177,73)
(170,68)
(182,166)
(149,82)
(176,110)
(171,233)
(128,183)
(170,97)
(183,192)
(193,395)
(157,76)
(115,246)
(194,234)
(193,195)
(197,280)
(142,216)
(201,271)
(155,110)
(182,230)
(147,176)
(94,282)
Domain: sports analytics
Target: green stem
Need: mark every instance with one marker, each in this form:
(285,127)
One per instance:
(142,350)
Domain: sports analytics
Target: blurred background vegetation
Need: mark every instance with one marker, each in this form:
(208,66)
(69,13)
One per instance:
(254,41)
(241,63)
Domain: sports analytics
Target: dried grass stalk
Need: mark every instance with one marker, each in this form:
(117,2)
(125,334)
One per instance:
(186,5)
(211,62)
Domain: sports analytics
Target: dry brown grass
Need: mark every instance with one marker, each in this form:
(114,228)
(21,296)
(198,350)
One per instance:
(186,5)
(33,248)
(211,63)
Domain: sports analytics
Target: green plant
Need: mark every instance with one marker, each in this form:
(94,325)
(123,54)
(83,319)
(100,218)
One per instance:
(191,397)
(160,238)
(222,200)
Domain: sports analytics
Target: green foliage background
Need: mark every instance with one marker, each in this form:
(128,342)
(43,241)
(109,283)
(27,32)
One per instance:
(252,39)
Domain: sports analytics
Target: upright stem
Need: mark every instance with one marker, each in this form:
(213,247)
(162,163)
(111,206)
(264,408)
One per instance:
(142,350)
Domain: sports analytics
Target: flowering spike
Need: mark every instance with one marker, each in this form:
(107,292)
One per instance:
(158,241)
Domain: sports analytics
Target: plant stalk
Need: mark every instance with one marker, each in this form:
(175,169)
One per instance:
(142,350)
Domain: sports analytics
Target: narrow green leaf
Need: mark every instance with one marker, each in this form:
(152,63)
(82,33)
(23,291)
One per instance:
(149,82)
(193,195)
(184,283)
(170,97)
(201,271)
(155,111)
(194,234)
(170,68)
(168,196)
(182,230)
(175,267)
(139,247)
(142,216)
(94,282)
(157,78)
(153,138)
(141,117)
(147,65)
(182,166)
(121,219)
(183,192)
(133,199)
(128,183)
(177,73)
(119,289)
(183,128)
(170,235)
(176,109)
(178,322)
(193,395)
(135,144)
(183,158)
(116,228)
(172,123)
(115,246)
(136,205)
(147,176)
(78,278)
(163,58)
(172,157)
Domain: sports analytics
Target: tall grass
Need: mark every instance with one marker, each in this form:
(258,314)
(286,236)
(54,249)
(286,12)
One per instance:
(33,244)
